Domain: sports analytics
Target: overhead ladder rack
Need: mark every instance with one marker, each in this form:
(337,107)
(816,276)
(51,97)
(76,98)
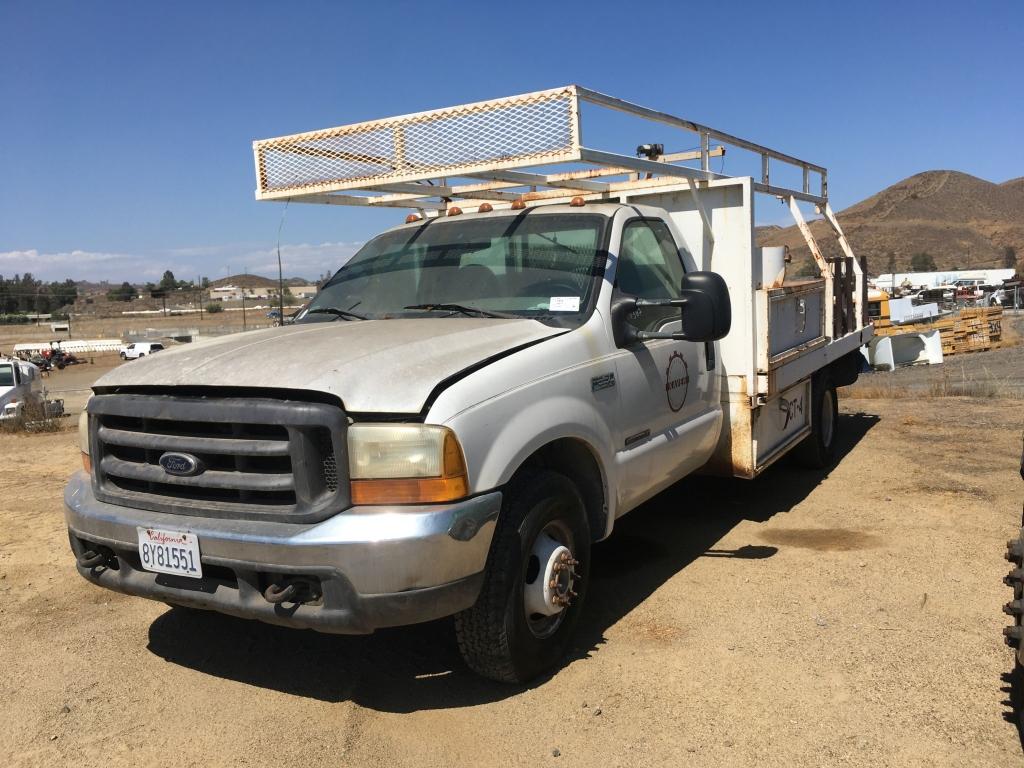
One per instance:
(412,161)
(509,150)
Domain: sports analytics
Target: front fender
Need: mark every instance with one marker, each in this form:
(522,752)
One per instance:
(500,435)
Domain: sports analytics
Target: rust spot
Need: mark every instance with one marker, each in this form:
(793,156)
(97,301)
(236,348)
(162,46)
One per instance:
(821,539)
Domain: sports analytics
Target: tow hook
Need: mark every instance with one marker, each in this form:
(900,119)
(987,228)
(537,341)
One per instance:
(92,558)
(292,590)
(280,593)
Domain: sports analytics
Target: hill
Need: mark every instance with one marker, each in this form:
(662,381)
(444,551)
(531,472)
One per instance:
(257,281)
(962,221)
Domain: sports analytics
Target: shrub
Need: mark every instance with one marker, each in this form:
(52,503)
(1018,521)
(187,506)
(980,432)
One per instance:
(214,308)
(33,418)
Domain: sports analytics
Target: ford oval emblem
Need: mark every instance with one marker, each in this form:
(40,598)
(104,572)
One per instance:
(181,464)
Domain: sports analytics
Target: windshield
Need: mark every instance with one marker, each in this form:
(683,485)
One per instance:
(544,266)
(6,376)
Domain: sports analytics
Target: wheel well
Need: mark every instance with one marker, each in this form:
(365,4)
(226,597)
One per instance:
(844,371)
(575,460)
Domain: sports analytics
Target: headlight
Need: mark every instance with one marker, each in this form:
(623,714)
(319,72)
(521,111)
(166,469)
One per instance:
(405,464)
(83,440)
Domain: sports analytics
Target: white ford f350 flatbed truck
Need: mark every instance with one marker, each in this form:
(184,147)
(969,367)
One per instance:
(555,335)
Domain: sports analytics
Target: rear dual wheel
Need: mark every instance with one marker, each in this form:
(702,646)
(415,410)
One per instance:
(818,449)
(535,583)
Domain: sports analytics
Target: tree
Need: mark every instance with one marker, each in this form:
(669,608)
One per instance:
(64,293)
(922,262)
(125,292)
(167,282)
(1009,257)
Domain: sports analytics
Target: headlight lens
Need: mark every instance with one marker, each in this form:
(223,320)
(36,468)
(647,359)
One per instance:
(405,464)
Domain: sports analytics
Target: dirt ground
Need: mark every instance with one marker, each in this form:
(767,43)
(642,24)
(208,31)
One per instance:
(133,326)
(992,373)
(798,620)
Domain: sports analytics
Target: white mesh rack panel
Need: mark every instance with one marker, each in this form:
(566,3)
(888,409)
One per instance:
(531,129)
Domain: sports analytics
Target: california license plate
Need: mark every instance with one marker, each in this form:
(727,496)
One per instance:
(171,552)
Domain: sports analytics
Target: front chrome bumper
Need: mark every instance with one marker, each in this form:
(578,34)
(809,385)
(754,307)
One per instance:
(377,566)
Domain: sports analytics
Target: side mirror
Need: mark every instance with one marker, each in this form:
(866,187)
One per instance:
(706,312)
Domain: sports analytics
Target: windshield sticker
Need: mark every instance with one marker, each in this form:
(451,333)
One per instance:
(677,381)
(564,304)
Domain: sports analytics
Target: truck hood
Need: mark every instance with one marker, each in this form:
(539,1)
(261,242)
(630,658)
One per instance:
(388,366)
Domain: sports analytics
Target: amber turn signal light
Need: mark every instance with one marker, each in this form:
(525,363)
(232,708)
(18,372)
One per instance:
(453,484)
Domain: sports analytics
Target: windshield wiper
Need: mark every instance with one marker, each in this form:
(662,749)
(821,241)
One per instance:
(342,313)
(460,308)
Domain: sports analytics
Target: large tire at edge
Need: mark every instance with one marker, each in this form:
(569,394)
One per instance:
(495,635)
(818,449)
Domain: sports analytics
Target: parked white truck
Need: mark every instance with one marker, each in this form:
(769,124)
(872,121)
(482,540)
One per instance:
(19,386)
(478,395)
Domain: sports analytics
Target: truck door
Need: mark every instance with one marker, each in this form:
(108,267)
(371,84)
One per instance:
(668,409)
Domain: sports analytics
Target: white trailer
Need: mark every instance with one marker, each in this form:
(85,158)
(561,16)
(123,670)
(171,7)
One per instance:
(480,392)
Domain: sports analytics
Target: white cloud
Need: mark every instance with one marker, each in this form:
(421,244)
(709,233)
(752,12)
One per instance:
(213,261)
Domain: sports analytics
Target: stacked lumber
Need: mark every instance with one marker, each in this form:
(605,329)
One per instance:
(971,330)
(978,329)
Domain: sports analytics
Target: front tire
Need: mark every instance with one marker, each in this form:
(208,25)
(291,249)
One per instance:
(535,583)
(818,449)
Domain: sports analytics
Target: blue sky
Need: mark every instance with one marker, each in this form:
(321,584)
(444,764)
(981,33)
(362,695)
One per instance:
(126,127)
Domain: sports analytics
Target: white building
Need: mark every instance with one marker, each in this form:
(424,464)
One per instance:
(993,277)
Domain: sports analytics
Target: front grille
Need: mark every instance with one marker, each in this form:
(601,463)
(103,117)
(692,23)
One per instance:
(258,459)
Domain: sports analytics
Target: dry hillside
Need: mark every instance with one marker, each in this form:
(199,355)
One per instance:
(962,221)
(256,281)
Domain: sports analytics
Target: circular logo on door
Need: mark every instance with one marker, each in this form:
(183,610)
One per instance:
(677,381)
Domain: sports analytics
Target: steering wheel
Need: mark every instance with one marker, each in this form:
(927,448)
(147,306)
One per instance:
(552,288)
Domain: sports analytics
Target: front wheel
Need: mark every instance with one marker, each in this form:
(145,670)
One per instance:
(535,583)
(818,449)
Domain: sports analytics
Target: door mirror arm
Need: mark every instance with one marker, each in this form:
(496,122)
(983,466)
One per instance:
(704,308)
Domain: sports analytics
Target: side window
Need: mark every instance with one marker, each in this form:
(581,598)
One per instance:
(650,268)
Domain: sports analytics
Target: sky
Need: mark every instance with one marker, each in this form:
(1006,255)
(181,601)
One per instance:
(126,128)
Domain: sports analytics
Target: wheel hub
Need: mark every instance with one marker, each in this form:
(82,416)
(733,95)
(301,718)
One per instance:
(551,590)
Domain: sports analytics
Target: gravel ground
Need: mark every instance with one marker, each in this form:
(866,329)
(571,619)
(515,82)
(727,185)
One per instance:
(799,620)
(994,373)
